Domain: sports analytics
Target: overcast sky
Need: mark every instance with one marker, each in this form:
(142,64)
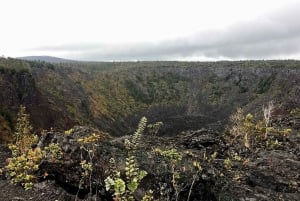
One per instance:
(151,29)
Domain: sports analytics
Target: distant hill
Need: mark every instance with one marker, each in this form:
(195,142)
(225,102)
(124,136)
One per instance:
(46,59)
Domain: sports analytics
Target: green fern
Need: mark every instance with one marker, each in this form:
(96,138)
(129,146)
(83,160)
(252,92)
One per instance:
(123,190)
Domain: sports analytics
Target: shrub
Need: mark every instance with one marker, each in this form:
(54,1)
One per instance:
(173,157)
(25,160)
(89,145)
(21,168)
(255,133)
(124,189)
(23,135)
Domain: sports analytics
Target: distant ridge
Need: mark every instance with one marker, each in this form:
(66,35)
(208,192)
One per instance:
(46,59)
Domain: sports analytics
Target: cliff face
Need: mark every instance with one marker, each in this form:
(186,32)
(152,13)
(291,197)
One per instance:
(205,94)
(18,88)
(113,96)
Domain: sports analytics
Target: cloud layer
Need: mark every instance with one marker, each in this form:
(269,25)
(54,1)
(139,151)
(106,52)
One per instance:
(276,35)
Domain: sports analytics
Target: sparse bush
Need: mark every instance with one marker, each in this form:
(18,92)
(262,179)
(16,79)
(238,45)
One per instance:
(242,127)
(249,137)
(23,135)
(295,112)
(68,132)
(154,128)
(25,160)
(173,157)
(89,145)
(267,111)
(21,168)
(255,133)
(228,163)
(53,152)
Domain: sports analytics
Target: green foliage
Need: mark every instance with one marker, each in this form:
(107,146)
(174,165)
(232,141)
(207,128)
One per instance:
(41,64)
(113,91)
(132,145)
(53,152)
(87,168)
(137,93)
(244,129)
(264,84)
(5,130)
(197,165)
(148,196)
(254,133)
(9,65)
(228,163)
(25,159)
(215,94)
(124,189)
(198,168)
(23,136)
(7,117)
(172,155)
(89,145)
(179,167)
(21,167)
(154,128)
(295,112)
(68,132)
(173,158)
(241,127)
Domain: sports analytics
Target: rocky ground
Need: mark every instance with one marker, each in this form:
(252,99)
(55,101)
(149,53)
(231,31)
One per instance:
(263,174)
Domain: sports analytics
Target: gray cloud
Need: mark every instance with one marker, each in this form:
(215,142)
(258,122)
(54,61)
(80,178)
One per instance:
(274,35)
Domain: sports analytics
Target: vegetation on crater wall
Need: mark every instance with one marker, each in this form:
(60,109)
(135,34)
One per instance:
(114,92)
(11,65)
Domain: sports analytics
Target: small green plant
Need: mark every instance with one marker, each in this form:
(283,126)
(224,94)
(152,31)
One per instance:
(255,133)
(148,196)
(198,168)
(154,128)
(242,127)
(267,111)
(172,158)
(21,168)
(68,132)
(228,163)
(295,112)
(89,145)
(124,189)
(53,152)
(23,135)
(25,160)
